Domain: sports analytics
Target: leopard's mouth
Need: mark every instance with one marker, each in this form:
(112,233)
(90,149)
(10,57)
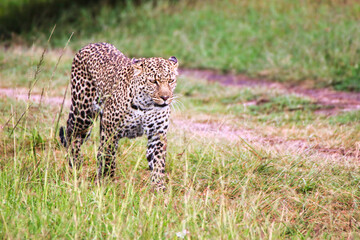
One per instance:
(161,101)
(161,105)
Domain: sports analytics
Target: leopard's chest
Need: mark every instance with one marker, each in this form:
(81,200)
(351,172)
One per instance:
(132,124)
(140,122)
(132,131)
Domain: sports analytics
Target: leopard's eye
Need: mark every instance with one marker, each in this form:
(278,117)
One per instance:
(152,80)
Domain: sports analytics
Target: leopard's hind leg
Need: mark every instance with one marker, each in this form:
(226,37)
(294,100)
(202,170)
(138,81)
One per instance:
(77,131)
(82,113)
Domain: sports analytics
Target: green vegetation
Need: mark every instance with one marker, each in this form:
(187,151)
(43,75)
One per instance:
(292,41)
(216,188)
(348,117)
(18,67)
(243,163)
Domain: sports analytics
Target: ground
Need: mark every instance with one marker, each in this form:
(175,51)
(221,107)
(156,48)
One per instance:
(248,158)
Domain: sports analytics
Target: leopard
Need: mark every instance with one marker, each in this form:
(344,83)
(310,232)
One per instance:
(131,97)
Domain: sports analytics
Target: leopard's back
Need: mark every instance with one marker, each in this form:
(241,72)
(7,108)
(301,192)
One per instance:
(99,65)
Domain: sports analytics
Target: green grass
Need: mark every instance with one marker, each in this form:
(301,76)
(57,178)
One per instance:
(294,41)
(214,191)
(217,189)
(18,67)
(259,105)
(346,118)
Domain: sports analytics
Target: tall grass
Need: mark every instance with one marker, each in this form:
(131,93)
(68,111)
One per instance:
(216,188)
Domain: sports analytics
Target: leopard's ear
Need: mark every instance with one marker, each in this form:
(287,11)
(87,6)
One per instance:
(137,65)
(175,63)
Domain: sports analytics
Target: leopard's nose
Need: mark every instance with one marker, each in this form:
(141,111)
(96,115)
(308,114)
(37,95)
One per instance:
(165,97)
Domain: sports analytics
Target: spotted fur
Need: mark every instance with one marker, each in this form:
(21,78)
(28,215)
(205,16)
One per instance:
(131,98)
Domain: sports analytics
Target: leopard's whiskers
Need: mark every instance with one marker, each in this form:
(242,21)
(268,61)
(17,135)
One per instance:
(177,105)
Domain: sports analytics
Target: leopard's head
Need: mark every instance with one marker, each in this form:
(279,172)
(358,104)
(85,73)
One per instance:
(157,77)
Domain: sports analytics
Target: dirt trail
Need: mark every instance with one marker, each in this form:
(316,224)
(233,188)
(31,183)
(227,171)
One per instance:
(215,130)
(22,94)
(334,100)
(339,100)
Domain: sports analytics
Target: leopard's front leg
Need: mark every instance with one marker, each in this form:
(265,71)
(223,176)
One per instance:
(156,154)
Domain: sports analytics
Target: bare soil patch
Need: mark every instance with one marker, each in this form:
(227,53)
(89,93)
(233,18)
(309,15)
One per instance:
(23,95)
(222,131)
(335,101)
